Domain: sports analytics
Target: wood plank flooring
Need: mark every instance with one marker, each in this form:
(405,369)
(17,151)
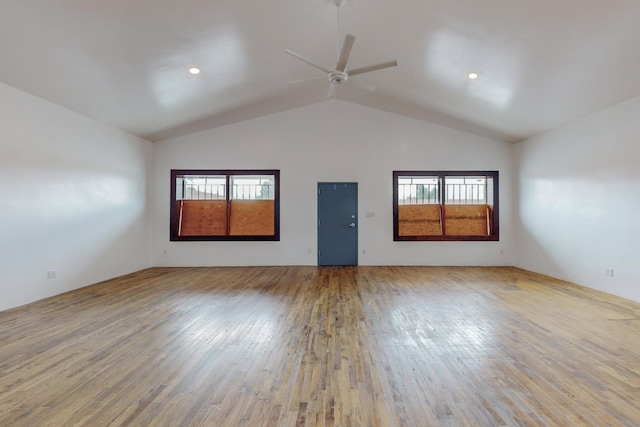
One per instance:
(323,346)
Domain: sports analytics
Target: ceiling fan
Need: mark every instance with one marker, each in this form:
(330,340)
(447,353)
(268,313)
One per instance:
(339,74)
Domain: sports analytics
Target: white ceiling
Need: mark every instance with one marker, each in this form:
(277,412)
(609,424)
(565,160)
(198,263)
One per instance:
(542,63)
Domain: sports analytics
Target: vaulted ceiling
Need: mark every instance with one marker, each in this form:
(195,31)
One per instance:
(541,64)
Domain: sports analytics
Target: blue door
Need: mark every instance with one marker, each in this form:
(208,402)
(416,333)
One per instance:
(337,223)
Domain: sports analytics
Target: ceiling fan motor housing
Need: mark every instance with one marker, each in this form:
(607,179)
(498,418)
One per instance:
(337,77)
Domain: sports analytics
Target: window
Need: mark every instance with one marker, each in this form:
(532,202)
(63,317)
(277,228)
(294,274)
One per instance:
(225,205)
(460,205)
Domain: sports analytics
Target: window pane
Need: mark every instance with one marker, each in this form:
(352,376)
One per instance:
(419,220)
(204,217)
(246,187)
(251,217)
(468,190)
(201,187)
(418,190)
(467,220)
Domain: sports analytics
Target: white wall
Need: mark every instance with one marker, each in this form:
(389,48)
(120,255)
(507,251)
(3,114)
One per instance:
(74,193)
(74,196)
(579,201)
(331,141)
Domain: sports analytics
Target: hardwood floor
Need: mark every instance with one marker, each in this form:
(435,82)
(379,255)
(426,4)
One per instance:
(307,346)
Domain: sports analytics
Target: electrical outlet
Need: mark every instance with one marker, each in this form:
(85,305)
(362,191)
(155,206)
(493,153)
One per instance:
(608,272)
(51,274)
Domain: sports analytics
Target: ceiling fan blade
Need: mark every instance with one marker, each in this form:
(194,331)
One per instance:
(346,51)
(372,68)
(371,88)
(307,80)
(332,91)
(302,58)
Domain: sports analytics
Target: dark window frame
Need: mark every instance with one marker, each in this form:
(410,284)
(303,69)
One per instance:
(495,223)
(173,217)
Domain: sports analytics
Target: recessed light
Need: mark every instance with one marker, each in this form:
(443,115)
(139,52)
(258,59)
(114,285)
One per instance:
(194,70)
(473,75)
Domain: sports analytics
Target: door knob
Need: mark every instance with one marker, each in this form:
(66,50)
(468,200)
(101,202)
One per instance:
(352,225)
